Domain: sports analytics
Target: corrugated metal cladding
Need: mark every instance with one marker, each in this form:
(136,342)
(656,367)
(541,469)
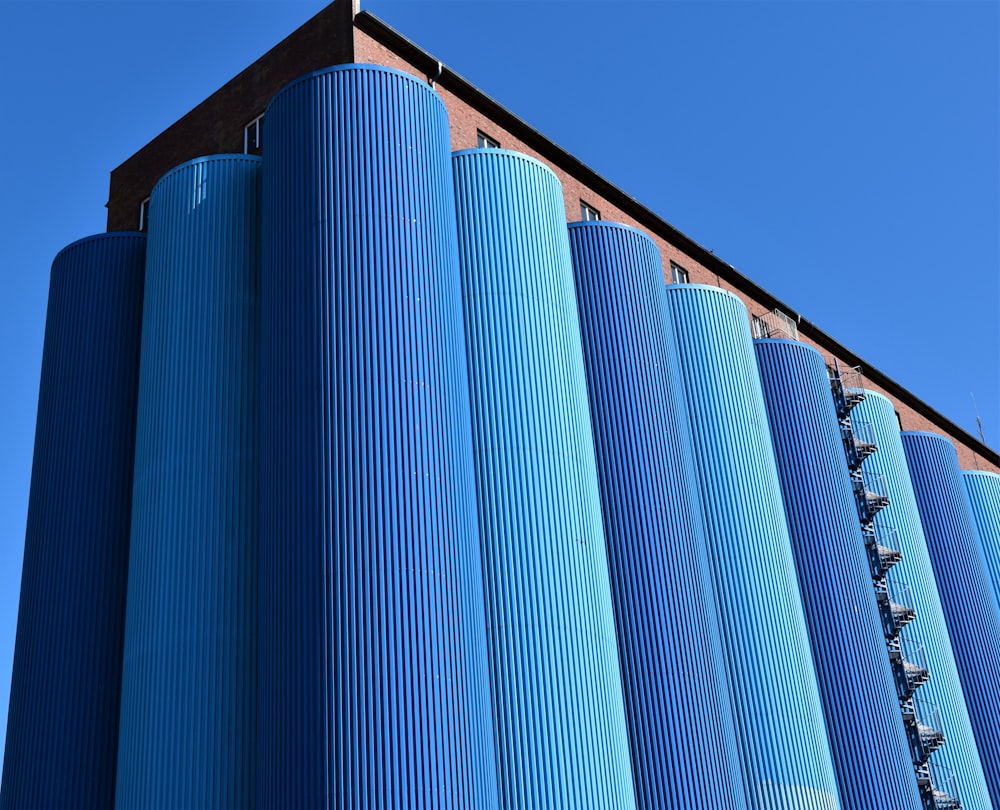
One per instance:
(983,491)
(680,721)
(785,753)
(560,724)
(944,689)
(867,737)
(970,608)
(189,687)
(375,682)
(62,730)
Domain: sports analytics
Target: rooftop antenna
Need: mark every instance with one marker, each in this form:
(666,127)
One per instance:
(979,423)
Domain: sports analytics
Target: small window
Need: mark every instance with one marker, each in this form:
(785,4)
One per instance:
(678,275)
(759,327)
(144,215)
(484,141)
(588,213)
(253,136)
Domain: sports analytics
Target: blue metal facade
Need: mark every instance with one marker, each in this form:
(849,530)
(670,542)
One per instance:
(867,736)
(681,728)
(970,608)
(983,491)
(374,678)
(62,730)
(189,686)
(944,689)
(561,735)
(779,716)
(385,550)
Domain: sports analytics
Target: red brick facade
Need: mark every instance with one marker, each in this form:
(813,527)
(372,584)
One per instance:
(337,35)
(216,125)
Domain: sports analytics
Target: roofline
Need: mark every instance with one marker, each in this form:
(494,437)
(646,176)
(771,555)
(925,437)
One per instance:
(461,87)
(348,7)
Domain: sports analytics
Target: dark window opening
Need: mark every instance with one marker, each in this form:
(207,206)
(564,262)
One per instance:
(253,136)
(760,328)
(484,141)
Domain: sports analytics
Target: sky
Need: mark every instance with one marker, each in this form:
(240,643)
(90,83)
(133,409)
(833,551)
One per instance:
(844,154)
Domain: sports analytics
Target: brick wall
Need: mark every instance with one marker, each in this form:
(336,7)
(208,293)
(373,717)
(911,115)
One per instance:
(216,125)
(331,37)
(466,121)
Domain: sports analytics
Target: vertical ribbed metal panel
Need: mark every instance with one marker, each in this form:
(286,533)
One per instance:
(779,716)
(375,683)
(867,738)
(560,724)
(188,718)
(959,753)
(62,730)
(681,729)
(983,491)
(970,608)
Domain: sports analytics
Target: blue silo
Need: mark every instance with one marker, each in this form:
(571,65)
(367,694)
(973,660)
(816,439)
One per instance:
(683,740)
(62,729)
(983,491)
(561,735)
(970,607)
(374,674)
(189,687)
(927,644)
(868,739)
(783,742)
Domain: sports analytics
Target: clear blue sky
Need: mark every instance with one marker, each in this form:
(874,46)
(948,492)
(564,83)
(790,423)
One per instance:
(845,155)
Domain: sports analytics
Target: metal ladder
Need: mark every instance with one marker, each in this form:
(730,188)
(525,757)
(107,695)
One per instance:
(907,658)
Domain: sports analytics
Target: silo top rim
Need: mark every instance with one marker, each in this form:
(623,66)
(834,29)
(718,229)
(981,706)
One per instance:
(605,223)
(790,342)
(675,288)
(94,237)
(925,433)
(869,393)
(356,67)
(490,151)
(209,159)
(983,473)
(798,346)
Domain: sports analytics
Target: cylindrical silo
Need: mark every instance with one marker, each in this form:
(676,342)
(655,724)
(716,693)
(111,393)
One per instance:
(561,736)
(983,490)
(779,716)
(62,729)
(189,697)
(681,730)
(927,634)
(970,607)
(375,684)
(868,740)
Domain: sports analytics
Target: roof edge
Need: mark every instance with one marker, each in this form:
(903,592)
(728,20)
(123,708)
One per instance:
(369,24)
(341,12)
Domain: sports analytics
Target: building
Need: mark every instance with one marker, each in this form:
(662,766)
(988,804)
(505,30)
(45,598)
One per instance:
(325,41)
(593,763)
